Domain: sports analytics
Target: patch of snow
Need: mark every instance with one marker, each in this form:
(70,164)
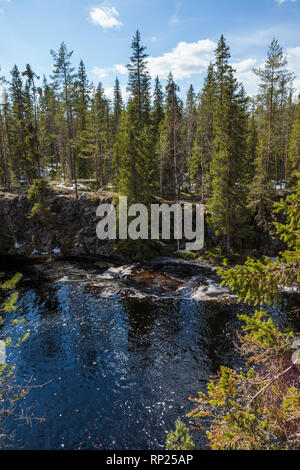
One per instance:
(17,246)
(121,271)
(79,185)
(210,292)
(108,293)
(57,251)
(63,279)
(289,288)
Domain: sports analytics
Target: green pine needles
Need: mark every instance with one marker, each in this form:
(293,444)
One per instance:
(258,408)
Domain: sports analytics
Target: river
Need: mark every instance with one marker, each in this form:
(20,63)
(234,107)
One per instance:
(114,352)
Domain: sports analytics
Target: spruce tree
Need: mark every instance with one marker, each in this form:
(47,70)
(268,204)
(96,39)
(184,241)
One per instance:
(20,161)
(136,161)
(139,81)
(199,165)
(117,106)
(170,143)
(52,134)
(158,107)
(81,99)
(189,131)
(228,200)
(31,117)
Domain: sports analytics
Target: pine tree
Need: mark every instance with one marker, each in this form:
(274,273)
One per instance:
(270,157)
(273,81)
(63,78)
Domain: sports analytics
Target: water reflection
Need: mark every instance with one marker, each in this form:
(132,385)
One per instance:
(119,370)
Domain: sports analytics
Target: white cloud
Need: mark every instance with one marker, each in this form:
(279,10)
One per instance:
(107,17)
(100,73)
(244,70)
(184,60)
(293,57)
(109,93)
(284,1)
(188,59)
(245,75)
(121,69)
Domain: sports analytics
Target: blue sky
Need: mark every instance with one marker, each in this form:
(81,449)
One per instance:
(180,35)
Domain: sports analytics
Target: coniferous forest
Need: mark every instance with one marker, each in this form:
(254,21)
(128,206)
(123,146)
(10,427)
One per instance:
(140,344)
(233,151)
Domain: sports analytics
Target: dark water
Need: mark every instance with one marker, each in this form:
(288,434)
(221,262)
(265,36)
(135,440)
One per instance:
(118,370)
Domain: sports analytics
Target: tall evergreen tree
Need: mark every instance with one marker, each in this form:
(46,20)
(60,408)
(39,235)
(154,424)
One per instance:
(139,81)
(31,116)
(4,145)
(117,106)
(63,78)
(158,107)
(274,79)
(199,165)
(82,91)
(189,131)
(20,159)
(136,161)
(170,143)
(52,132)
(228,199)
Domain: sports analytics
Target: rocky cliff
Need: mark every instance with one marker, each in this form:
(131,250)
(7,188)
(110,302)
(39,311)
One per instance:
(70,228)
